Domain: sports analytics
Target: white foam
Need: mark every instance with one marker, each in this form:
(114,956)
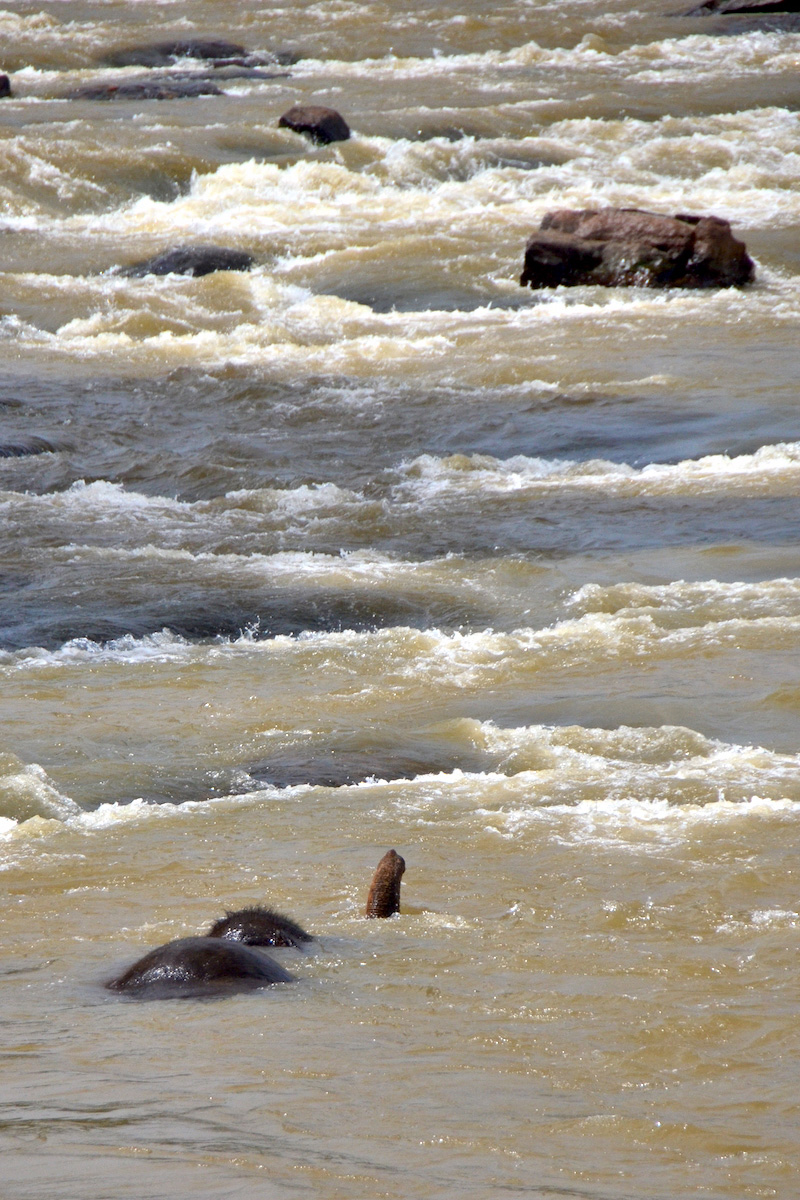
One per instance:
(646,787)
(686,603)
(771,469)
(669,59)
(96,498)
(26,793)
(651,825)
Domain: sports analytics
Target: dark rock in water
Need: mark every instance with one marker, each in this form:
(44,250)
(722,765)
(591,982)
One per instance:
(281,58)
(217,53)
(191,260)
(197,613)
(322,125)
(243,71)
(345,766)
(259,926)
(384,893)
(5,86)
(757,7)
(177,87)
(161,54)
(199,966)
(26,446)
(620,247)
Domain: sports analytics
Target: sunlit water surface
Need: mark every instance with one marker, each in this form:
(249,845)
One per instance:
(518,570)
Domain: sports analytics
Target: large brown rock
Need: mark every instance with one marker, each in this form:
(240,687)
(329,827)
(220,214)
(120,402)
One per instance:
(625,247)
(323,125)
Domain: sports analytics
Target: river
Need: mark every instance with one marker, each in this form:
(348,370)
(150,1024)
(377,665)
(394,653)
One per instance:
(370,547)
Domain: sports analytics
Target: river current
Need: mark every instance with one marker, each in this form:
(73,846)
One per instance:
(370,547)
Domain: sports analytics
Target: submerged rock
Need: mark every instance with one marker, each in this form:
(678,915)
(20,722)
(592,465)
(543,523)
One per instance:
(322,125)
(191,260)
(177,87)
(162,54)
(345,766)
(230,70)
(216,52)
(620,247)
(746,7)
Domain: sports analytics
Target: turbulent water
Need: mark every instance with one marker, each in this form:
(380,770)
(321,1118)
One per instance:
(368,547)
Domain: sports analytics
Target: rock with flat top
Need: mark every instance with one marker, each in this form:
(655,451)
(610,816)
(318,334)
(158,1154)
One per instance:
(322,125)
(176,87)
(623,247)
(214,51)
(162,54)
(191,260)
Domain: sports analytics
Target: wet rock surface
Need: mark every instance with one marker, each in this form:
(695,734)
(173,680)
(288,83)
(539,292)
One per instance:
(161,54)
(191,260)
(215,51)
(744,7)
(322,125)
(349,764)
(173,87)
(631,248)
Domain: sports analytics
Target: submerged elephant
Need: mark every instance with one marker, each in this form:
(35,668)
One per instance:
(229,958)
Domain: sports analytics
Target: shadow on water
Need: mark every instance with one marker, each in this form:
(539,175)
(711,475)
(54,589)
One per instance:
(339,759)
(357,757)
(50,619)
(24,447)
(244,433)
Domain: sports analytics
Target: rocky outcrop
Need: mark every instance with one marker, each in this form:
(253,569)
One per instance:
(217,52)
(163,54)
(191,260)
(234,71)
(621,247)
(713,8)
(165,87)
(322,125)
(5,86)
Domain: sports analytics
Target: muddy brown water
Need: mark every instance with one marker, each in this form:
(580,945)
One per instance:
(369,547)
